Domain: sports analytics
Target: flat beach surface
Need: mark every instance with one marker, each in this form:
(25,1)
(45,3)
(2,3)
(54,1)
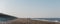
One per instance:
(29,21)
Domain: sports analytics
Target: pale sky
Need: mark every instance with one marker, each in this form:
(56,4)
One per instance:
(31,8)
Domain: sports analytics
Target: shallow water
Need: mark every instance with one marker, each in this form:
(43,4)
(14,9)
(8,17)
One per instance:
(48,19)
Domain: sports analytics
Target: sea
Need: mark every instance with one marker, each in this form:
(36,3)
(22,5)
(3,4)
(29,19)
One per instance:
(47,19)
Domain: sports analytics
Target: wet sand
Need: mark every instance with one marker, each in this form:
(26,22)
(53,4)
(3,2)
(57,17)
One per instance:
(43,22)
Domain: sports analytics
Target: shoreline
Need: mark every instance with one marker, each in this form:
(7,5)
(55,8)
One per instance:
(29,21)
(43,22)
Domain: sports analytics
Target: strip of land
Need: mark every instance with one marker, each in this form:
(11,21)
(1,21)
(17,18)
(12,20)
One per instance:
(29,21)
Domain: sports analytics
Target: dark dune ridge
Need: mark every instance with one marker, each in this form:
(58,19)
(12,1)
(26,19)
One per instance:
(5,17)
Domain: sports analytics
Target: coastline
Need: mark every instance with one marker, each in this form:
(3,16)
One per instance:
(43,22)
(30,21)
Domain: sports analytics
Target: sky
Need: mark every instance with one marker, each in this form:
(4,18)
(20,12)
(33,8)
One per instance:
(31,8)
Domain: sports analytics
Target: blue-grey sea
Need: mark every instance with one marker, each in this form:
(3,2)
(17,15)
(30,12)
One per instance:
(48,19)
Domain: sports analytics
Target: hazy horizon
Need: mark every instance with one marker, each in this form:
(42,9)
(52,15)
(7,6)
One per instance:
(31,8)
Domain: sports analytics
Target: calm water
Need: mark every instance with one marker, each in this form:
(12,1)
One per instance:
(48,19)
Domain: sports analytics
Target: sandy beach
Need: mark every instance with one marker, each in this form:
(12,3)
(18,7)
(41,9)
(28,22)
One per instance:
(29,21)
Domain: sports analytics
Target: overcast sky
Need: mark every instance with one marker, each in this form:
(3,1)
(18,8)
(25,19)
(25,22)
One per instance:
(31,8)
